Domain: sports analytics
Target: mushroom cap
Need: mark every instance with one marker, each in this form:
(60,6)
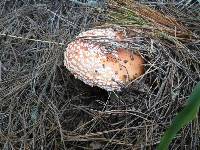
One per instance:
(98,65)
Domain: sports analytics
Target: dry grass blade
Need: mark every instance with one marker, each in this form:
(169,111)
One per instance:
(153,18)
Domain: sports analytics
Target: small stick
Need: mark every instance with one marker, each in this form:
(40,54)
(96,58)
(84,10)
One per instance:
(0,71)
(23,38)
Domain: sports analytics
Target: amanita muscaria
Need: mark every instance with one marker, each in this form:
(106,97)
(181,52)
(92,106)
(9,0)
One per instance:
(96,58)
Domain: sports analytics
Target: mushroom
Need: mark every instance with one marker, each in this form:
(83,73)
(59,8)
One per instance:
(94,58)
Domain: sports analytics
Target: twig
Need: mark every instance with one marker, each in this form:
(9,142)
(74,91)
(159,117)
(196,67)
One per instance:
(36,40)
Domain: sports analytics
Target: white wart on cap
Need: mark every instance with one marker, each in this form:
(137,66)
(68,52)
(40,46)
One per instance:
(91,60)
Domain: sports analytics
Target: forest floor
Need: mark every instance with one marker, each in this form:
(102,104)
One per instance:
(42,105)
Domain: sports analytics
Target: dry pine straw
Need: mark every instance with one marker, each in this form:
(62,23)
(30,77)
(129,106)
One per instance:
(42,105)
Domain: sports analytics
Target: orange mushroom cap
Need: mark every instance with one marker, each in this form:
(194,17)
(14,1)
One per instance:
(98,65)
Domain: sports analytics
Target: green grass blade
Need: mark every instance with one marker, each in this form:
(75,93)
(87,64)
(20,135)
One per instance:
(125,16)
(183,118)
